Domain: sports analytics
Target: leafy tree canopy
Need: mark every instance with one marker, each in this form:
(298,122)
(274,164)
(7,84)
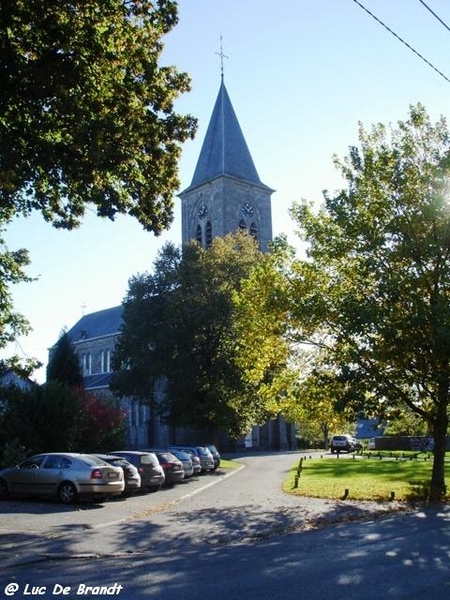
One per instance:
(64,365)
(375,288)
(12,323)
(179,325)
(86,113)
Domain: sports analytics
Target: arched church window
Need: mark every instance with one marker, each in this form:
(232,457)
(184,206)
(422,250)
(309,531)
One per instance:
(208,234)
(242,225)
(198,234)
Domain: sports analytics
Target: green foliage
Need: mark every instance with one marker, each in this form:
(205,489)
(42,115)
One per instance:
(42,419)
(406,423)
(63,365)
(179,326)
(11,453)
(375,289)
(86,119)
(12,271)
(86,114)
(56,418)
(260,331)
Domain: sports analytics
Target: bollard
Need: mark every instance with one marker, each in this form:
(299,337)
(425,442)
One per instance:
(392,495)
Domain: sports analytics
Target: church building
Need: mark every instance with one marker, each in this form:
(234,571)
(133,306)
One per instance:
(225,195)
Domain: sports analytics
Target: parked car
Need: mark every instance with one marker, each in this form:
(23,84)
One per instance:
(205,456)
(186,461)
(66,476)
(130,472)
(343,443)
(215,455)
(173,468)
(196,465)
(151,472)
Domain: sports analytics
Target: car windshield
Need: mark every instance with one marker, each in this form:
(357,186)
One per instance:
(166,456)
(182,455)
(203,451)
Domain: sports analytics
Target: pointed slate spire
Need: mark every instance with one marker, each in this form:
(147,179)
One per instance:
(224,150)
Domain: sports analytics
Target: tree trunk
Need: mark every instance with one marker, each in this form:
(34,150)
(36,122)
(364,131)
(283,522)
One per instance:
(440,427)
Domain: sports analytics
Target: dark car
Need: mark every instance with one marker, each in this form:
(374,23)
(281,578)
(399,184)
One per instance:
(173,468)
(196,465)
(130,472)
(186,461)
(215,455)
(151,472)
(63,475)
(204,455)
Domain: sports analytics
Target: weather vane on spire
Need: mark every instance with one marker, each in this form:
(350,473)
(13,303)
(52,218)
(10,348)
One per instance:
(222,56)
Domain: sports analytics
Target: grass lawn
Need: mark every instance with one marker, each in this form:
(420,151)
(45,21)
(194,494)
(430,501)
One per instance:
(228,464)
(362,478)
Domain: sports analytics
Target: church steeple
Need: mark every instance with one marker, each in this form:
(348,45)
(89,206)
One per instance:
(226,193)
(224,150)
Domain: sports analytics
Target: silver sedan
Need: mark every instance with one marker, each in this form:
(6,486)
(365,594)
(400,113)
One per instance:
(66,476)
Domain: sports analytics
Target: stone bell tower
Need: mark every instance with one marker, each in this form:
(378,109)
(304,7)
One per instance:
(226,193)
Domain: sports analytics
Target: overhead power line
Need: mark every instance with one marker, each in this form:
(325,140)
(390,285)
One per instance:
(402,40)
(435,15)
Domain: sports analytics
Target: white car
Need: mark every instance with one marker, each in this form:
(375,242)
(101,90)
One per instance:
(343,443)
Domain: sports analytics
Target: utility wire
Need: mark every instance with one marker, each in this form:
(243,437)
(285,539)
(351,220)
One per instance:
(402,40)
(435,15)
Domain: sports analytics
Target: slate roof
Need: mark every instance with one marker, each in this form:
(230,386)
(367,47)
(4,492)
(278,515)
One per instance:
(369,428)
(224,150)
(97,324)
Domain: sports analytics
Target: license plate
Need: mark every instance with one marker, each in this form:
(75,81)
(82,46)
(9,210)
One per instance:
(112,475)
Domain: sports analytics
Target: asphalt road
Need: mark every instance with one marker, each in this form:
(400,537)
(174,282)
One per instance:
(225,538)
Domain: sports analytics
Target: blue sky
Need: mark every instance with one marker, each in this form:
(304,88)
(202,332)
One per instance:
(301,75)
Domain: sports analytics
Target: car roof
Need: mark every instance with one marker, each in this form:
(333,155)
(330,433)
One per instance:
(135,452)
(110,456)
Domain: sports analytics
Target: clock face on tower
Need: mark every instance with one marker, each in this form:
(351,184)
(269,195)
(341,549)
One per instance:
(202,211)
(247,210)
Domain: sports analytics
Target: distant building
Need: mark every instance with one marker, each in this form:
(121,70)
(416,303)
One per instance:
(369,428)
(94,339)
(225,195)
(9,377)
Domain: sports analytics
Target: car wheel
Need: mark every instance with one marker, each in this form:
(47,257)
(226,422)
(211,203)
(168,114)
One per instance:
(67,492)
(4,492)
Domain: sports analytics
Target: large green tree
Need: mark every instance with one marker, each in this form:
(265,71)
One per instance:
(374,291)
(179,325)
(87,119)
(86,112)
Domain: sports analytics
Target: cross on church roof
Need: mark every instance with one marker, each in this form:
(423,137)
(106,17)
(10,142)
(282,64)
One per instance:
(222,56)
